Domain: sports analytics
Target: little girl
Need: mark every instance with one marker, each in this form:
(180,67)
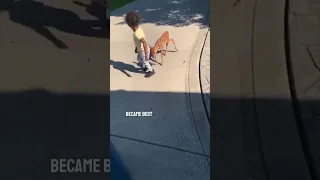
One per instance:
(133,20)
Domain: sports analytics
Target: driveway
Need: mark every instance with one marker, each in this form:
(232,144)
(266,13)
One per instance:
(169,144)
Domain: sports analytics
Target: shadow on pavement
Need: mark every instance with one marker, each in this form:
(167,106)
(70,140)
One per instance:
(262,139)
(250,138)
(38,125)
(165,141)
(125,68)
(95,9)
(169,12)
(39,17)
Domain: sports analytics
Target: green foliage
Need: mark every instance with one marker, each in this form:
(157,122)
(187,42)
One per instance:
(115,4)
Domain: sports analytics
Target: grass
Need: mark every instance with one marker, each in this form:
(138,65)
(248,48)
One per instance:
(115,4)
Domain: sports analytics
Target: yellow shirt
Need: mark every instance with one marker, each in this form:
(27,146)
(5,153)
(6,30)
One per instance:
(137,36)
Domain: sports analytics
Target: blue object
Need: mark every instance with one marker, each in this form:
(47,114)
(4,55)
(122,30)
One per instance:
(118,171)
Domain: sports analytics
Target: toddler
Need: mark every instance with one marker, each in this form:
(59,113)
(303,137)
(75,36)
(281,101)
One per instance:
(133,20)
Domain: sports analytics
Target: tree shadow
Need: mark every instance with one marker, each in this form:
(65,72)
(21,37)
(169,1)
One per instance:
(176,13)
(38,125)
(172,124)
(119,169)
(95,9)
(263,137)
(251,138)
(255,138)
(39,17)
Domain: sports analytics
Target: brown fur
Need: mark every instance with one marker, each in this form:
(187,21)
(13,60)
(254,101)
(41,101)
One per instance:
(159,45)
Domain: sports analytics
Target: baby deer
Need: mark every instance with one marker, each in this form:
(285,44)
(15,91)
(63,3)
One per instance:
(164,39)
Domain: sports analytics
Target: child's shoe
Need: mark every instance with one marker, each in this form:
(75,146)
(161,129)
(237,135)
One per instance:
(150,73)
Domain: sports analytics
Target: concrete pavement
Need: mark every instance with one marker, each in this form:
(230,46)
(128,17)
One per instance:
(304,35)
(205,74)
(174,142)
(53,101)
(256,132)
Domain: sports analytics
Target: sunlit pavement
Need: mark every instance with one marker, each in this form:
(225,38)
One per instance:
(174,142)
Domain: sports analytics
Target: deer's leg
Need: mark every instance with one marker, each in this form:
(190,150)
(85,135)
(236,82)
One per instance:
(171,40)
(165,51)
(161,55)
(167,46)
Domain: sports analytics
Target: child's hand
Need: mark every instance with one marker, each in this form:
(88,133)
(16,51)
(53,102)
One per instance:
(147,56)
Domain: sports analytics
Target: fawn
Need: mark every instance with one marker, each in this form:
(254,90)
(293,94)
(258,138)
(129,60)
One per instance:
(164,39)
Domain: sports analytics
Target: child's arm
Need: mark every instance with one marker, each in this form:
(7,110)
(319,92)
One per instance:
(145,47)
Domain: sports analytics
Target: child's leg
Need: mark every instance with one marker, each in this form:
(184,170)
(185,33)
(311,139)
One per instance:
(146,63)
(148,66)
(139,59)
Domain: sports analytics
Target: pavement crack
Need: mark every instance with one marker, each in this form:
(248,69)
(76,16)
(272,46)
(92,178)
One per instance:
(236,3)
(207,88)
(208,80)
(294,14)
(160,145)
(312,59)
(311,86)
